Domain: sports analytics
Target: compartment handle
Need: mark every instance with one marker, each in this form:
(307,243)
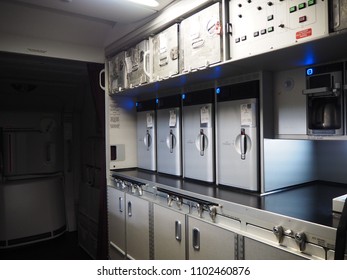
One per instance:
(102,85)
(130,209)
(243,144)
(178,230)
(196,239)
(120,204)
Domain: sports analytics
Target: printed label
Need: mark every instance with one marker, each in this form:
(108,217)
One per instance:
(248,115)
(173,118)
(304,33)
(204,115)
(149,119)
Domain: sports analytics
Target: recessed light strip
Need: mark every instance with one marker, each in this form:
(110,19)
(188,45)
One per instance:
(149,3)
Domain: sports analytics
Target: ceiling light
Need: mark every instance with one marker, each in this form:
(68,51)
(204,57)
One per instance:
(150,3)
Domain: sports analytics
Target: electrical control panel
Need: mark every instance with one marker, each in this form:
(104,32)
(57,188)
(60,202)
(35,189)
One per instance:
(259,26)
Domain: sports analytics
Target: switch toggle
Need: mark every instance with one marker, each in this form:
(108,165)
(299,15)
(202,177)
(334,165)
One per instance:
(311,2)
(302,19)
(292,9)
(302,6)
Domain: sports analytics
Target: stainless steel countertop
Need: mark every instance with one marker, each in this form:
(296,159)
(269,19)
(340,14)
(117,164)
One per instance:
(311,202)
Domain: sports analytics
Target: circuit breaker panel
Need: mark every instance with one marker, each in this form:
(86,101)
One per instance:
(258,26)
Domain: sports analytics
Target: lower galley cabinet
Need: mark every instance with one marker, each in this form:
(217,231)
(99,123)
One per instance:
(116,223)
(256,250)
(137,228)
(169,233)
(128,225)
(210,241)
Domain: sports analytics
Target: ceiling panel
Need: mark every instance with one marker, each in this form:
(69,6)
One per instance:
(121,11)
(91,23)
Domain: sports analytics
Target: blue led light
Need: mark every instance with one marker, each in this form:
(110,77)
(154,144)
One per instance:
(309,71)
(183,96)
(217,90)
(157,101)
(137,104)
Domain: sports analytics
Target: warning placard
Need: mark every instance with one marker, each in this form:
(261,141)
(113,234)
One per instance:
(304,33)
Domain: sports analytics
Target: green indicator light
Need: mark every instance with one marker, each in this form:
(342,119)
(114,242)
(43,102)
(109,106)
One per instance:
(270,29)
(292,9)
(302,6)
(311,2)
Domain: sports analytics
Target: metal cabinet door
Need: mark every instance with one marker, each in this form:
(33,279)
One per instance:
(137,228)
(146,140)
(165,53)
(116,220)
(169,147)
(255,250)
(210,242)
(169,234)
(198,142)
(200,38)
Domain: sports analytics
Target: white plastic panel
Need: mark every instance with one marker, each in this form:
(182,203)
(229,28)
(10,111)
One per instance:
(260,26)
(122,132)
(290,103)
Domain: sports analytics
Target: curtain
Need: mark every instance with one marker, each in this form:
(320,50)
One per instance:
(98,95)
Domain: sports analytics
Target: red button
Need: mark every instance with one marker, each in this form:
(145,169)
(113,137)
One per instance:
(302,19)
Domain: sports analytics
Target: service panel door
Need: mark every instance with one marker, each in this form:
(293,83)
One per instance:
(255,250)
(169,234)
(137,228)
(210,242)
(116,220)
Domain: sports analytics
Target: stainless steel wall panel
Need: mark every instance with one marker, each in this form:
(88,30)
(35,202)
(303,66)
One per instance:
(201,39)
(165,53)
